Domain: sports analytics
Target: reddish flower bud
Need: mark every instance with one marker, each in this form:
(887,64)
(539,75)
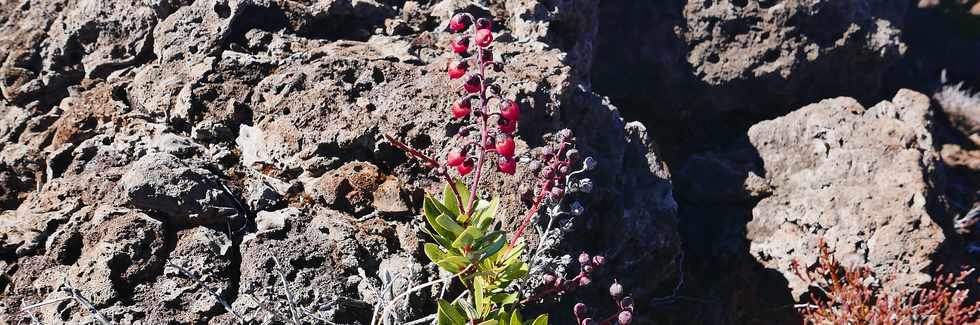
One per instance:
(505,145)
(588,269)
(461,108)
(455,158)
(584,281)
(507,165)
(472,85)
(457,69)
(460,44)
(583,258)
(579,310)
(464,168)
(510,110)
(588,321)
(598,260)
(507,126)
(616,290)
(625,317)
(458,22)
(483,23)
(483,37)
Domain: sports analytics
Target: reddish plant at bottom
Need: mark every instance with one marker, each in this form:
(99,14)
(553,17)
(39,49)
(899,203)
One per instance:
(847,295)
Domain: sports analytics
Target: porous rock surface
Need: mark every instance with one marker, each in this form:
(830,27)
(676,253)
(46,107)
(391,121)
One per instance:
(156,154)
(863,179)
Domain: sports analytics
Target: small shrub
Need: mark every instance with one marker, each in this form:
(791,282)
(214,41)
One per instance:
(466,239)
(848,295)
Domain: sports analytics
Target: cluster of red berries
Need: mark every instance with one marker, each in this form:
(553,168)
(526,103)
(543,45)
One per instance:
(623,316)
(477,88)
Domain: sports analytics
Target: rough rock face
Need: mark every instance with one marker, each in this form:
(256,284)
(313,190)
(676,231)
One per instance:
(157,155)
(867,181)
(696,59)
(862,179)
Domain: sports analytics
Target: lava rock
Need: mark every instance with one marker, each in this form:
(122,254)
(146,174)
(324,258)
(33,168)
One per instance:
(187,196)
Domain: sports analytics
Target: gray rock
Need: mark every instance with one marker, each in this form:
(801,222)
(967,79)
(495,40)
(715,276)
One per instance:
(861,179)
(181,147)
(272,221)
(185,195)
(264,193)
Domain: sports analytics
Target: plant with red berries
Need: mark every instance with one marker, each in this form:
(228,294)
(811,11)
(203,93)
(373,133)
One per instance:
(467,243)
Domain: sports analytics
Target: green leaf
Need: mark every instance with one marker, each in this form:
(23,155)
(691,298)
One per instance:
(515,270)
(442,241)
(494,247)
(489,322)
(453,264)
(464,192)
(468,237)
(429,207)
(503,299)
(433,252)
(450,225)
(514,253)
(487,215)
(451,312)
(541,320)
(432,213)
(515,318)
(449,200)
(479,298)
(470,311)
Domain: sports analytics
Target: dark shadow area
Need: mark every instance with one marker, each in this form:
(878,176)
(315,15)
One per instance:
(938,39)
(641,64)
(701,132)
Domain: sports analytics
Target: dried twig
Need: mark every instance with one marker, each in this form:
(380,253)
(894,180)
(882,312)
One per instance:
(74,295)
(289,293)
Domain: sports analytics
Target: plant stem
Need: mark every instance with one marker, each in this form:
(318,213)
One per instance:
(429,161)
(484,133)
(555,161)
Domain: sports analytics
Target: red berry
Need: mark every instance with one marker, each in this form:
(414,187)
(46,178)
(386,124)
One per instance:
(461,108)
(625,317)
(464,168)
(510,110)
(460,45)
(457,69)
(483,23)
(455,158)
(458,22)
(507,126)
(472,85)
(505,145)
(579,310)
(484,37)
(507,165)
